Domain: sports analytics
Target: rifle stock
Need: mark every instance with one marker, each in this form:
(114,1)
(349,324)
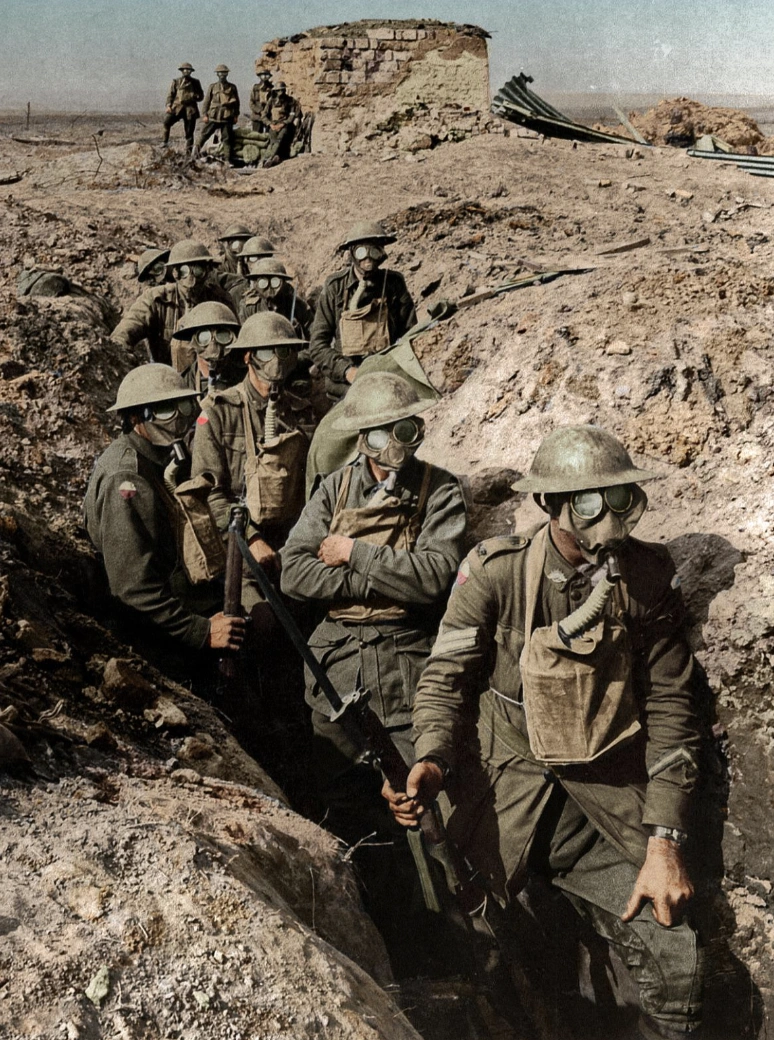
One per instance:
(228,666)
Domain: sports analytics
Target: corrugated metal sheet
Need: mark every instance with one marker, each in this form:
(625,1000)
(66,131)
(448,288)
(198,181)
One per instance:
(517,103)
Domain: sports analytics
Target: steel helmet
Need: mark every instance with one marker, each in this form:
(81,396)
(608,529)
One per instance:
(258,246)
(189,252)
(204,316)
(235,231)
(222,68)
(378,398)
(267,329)
(148,258)
(576,458)
(367,231)
(150,384)
(186,65)
(270,268)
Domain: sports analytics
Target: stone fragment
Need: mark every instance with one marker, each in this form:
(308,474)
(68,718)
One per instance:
(99,987)
(618,346)
(125,686)
(165,714)
(99,736)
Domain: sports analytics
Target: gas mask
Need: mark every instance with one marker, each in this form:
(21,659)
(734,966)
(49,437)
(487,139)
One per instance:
(367,257)
(269,286)
(168,421)
(600,519)
(273,364)
(392,445)
(210,344)
(189,277)
(156,273)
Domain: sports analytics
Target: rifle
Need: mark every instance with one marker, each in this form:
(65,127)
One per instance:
(228,665)
(472,905)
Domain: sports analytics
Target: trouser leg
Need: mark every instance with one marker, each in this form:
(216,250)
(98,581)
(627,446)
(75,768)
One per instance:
(206,132)
(189,124)
(169,121)
(666,963)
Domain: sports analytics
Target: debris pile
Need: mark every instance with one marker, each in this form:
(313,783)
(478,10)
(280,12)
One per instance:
(681,122)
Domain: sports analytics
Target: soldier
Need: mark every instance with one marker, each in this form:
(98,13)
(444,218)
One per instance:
(220,111)
(252,440)
(253,249)
(155,315)
(362,309)
(233,240)
(259,98)
(271,289)
(182,98)
(377,545)
(131,518)
(210,328)
(589,731)
(282,115)
(152,267)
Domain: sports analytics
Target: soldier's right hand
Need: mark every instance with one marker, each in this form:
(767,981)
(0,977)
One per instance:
(350,374)
(226,633)
(169,108)
(424,782)
(263,553)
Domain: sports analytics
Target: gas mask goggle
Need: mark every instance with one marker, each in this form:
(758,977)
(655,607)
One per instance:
(235,245)
(273,364)
(368,256)
(248,262)
(168,421)
(189,276)
(390,446)
(600,519)
(156,273)
(269,286)
(211,344)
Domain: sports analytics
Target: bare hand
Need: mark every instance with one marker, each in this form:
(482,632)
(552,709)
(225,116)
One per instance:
(205,119)
(168,108)
(424,782)
(335,550)
(226,633)
(350,374)
(263,553)
(663,880)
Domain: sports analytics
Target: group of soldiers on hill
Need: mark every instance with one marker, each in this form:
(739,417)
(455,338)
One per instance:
(550,700)
(272,111)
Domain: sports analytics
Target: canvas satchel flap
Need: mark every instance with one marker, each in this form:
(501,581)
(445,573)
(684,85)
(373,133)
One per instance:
(274,474)
(579,701)
(365,330)
(200,543)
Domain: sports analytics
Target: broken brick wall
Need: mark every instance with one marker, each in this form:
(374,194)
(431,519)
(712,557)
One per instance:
(361,73)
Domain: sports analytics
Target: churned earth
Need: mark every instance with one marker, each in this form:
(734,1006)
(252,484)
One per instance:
(154,881)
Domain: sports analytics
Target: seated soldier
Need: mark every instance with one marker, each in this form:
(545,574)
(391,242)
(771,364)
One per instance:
(155,315)
(130,515)
(209,329)
(282,115)
(362,309)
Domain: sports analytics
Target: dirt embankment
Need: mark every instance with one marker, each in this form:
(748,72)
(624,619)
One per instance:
(666,343)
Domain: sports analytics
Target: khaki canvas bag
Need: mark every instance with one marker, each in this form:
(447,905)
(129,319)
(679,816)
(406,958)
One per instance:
(386,523)
(274,473)
(579,701)
(199,542)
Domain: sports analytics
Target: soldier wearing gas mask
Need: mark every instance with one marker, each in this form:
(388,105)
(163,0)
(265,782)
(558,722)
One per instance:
(377,546)
(233,240)
(133,520)
(208,330)
(589,731)
(152,267)
(362,309)
(252,439)
(271,289)
(254,250)
(156,314)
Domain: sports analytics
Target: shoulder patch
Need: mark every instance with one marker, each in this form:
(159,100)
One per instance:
(463,573)
(203,419)
(127,489)
(493,547)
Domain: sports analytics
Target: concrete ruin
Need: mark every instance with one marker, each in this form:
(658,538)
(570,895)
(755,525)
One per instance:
(359,77)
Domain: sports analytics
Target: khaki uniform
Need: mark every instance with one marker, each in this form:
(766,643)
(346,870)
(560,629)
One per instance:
(282,116)
(584,825)
(221,106)
(325,344)
(155,315)
(259,98)
(285,303)
(182,98)
(130,519)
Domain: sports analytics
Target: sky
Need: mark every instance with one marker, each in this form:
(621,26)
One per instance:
(120,55)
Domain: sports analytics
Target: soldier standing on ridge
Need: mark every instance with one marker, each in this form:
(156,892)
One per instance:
(362,309)
(259,99)
(220,111)
(182,98)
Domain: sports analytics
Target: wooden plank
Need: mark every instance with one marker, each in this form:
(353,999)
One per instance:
(623,247)
(632,129)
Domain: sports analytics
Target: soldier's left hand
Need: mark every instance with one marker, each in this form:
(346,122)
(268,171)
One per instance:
(664,881)
(335,550)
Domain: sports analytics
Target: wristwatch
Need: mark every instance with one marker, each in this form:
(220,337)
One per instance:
(671,834)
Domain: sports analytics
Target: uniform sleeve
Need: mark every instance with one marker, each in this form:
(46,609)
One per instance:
(672,716)
(131,528)
(303,575)
(199,93)
(236,102)
(405,314)
(321,349)
(450,684)
(255,103)
(423,575)
(135,324)
(171,94)
(209,457)
(207,101)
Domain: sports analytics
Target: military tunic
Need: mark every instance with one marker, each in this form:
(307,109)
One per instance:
(325,337)
(128,514)
(155,315)
(285,303)
(221,107)
(259,98)
(281,115)
(182,98)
